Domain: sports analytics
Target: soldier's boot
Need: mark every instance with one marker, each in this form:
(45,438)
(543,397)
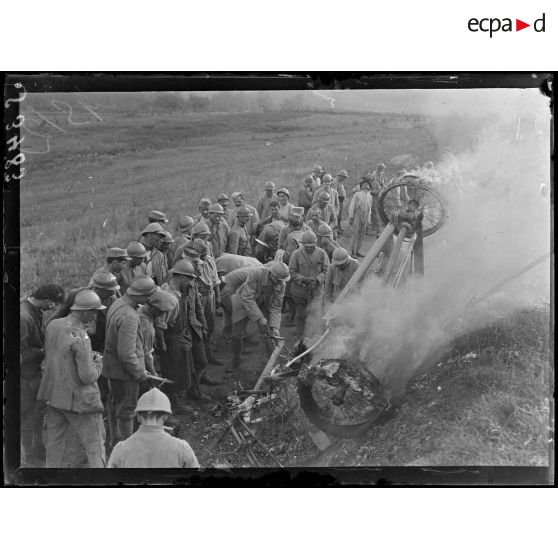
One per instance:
(203,378)
(114,432)
(179,408)
(237,350)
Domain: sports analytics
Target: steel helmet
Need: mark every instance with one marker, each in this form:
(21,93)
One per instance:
(136,250)
(381,166)
(309,178)
(242,211)
(153,400)
(163,301)
(105,280)
(284,191)
(327,178)
(167,238)
(308,237)
(87,300)
(142,285)
(49,291)
(339,256)
(269,185)
(235,195)
(217,208)
(343,173)
(204,201)
(324,196)
(158,216)
(185,221)
(199,245)
(184,267)
(317,168)
(280,270)
(153,228)
(191,251)
(222,197)
(119,252)
(324,230)
(200,228)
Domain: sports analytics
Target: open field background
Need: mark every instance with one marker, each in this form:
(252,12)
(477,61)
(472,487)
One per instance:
(95,186)
(92,178)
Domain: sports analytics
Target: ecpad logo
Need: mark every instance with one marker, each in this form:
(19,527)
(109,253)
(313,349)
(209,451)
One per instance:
(494,24)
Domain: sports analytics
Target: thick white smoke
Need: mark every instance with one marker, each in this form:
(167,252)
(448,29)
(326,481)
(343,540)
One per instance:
(498,222)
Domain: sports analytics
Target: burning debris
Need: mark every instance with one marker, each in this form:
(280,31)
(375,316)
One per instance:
(341,398)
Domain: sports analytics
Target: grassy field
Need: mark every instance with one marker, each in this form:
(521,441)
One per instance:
(96,184)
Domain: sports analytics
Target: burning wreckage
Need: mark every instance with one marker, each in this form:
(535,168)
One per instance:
(341,396)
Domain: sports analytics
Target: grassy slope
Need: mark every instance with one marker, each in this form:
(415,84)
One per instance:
(168,162)
(488,409)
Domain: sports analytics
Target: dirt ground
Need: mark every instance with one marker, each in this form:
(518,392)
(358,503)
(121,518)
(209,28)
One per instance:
(206,424)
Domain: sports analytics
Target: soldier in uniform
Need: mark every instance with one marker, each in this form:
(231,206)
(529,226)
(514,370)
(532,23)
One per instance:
(338,274)
(308,267)
(239,237)
(219,230)
(262,206)
(259,299)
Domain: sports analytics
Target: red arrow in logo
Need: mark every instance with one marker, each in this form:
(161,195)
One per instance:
(519,25)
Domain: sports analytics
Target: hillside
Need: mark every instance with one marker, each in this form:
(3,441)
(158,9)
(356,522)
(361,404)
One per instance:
(97,182)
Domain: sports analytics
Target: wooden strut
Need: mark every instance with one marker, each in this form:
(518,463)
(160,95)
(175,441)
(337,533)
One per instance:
(246,405)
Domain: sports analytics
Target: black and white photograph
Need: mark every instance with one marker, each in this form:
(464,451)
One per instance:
(348,276)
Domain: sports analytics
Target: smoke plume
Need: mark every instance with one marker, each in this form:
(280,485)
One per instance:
(498,222)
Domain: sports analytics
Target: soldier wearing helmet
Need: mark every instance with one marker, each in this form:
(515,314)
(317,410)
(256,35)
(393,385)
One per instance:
(223,201)
(316,175)
(338,274)
(31,346)
(262,205)
(308,267)
(152,238)
(292,233)
(157,217)
(306,193)
(185,329)
(339,186)
(203,215)
(325,240)
(251,224)
(208,286)
(117,263)
(219,230)
(239,237)
(327,211)
(315,220)
(123,362)
(184,227)
(138,256)
(283,196)
(327,180)
(259,299)
(379,175)
(230,284)
(69,386)
(151,446)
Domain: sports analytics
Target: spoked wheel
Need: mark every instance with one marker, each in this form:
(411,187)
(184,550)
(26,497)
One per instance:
(341,400)
(408,187)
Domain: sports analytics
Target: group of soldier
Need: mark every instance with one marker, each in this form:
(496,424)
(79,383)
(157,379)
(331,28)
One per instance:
(149,314)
